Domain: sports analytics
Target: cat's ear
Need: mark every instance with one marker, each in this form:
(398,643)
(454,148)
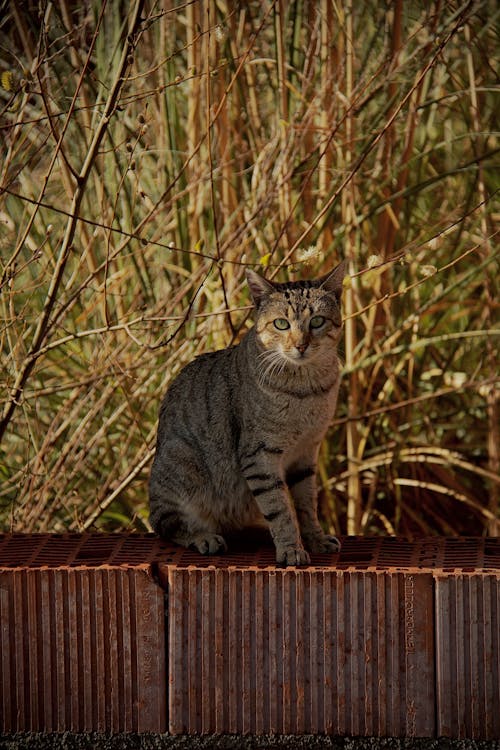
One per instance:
(258,285)
(332,282)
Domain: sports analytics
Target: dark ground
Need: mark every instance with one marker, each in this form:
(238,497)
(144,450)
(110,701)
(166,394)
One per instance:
(95,741)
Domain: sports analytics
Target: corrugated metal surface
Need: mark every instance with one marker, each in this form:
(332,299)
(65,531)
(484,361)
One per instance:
(450,554)
(294,651)
(82,550)
(388,637)
(82,650)
(468,655)
(248,550)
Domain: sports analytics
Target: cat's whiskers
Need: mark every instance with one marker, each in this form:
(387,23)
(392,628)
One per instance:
(267,362)
(271,365)
(277,368)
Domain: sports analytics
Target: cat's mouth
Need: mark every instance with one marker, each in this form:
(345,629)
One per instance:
(298,356)
(275,362)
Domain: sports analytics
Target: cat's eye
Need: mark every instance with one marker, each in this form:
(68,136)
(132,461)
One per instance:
(317,321)
(281,324)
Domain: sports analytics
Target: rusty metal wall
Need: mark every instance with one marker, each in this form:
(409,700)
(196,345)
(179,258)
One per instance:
(300,651)
(81,650)
(388,637)
(468,655)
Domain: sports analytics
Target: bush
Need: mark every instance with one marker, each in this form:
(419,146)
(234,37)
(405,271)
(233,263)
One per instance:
(151,154)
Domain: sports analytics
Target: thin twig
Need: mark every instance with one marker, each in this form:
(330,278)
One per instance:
(43,322)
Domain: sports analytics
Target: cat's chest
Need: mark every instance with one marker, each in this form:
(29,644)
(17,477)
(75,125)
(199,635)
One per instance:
(304,419)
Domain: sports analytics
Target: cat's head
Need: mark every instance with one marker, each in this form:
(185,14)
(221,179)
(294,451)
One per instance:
(299,320)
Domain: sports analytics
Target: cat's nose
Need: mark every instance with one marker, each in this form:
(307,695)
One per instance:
(302,347)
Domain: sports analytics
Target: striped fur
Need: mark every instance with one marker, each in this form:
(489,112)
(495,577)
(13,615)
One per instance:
(240,429)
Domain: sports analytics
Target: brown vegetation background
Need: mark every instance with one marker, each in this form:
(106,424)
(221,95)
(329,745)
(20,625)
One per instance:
(151,151)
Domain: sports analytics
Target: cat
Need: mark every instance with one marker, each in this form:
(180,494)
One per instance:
(240,428)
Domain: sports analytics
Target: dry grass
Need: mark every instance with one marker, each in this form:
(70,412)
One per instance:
(151,152)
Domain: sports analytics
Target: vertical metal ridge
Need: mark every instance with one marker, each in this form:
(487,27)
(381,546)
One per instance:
(347,678)
(259,666)
(70,661)
(301,676)
(208,654)
(80,648)
(130,641)
(9,694)
(391,670)
(222,651)
(94,600)
(283,678)
(6,696)
(250,665)
(490,666)
(100,648)
(234,637)
(315,636)
(474,588)
(378,651)
(45,618)
(175,650)
(339,646)
(112,646)
(85,651)
(289,642)
(329,666)
(124,605)
(366,666)
(240,656)
(358,636)
(34,648)
(60,612)
(199,650)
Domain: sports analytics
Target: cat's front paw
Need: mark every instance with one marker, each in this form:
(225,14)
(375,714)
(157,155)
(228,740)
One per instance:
(209,544)
(322,543)
(286,556)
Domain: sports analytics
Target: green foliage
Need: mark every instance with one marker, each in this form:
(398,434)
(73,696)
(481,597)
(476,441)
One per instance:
(152,152)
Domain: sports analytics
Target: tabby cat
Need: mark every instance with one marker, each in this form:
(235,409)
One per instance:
(240,428)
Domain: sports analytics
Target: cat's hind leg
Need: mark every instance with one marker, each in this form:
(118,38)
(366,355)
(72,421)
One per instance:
(173,519)
(171,526)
